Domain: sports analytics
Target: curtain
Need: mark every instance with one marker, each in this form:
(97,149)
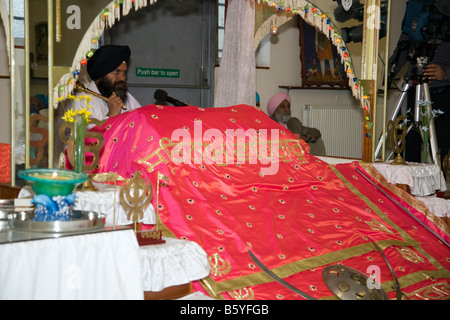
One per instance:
(236,82)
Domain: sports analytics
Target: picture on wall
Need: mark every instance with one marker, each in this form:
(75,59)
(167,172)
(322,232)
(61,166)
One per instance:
(41,38)
(320,63)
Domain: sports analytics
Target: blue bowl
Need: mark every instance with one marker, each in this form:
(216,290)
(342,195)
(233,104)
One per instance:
(52,182)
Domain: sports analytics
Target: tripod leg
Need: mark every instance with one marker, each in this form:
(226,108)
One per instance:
(394,115)
(419,96)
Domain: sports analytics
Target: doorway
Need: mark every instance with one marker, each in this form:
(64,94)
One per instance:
(173,47)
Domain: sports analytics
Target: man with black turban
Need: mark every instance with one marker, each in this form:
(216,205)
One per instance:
(107,69)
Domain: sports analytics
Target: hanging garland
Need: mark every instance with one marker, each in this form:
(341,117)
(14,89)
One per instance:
(106,18)
(319,19)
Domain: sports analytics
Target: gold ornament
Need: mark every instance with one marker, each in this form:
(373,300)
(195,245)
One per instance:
(135,195)
(397,134)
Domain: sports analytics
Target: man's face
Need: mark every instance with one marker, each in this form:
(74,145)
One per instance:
(283,112)
(115,81)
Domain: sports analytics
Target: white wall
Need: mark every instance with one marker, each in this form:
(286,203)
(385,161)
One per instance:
(285,70)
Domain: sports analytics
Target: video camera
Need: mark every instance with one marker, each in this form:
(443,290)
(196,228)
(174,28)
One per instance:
(424,27)
(349,9)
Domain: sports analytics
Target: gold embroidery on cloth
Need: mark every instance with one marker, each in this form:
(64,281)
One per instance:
(241,151)
(438,291)
(242,294)
(410,255)
(411,200)
(378,226)
(219,266)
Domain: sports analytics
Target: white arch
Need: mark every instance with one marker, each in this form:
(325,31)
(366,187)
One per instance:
(319,19)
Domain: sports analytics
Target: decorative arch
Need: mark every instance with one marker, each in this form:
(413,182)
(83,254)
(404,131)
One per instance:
(315,17)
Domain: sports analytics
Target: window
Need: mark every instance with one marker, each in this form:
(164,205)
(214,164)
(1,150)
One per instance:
(221,26)
(19,14)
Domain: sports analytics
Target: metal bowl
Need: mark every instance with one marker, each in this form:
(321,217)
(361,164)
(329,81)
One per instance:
(81,221)
(6,208)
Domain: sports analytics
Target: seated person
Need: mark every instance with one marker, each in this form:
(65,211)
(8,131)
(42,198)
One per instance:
(279,110)
(108,70)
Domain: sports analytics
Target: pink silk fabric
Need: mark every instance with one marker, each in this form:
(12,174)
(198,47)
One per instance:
(307,216)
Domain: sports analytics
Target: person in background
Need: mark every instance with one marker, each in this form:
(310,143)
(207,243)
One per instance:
(279,110)
(107,69)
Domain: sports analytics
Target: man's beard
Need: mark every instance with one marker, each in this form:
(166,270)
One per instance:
(106,88)
(282,118)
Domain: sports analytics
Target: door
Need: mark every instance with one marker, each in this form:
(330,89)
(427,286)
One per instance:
(173,48)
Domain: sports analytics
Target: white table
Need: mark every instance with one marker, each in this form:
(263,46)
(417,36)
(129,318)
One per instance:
(440,207)
(173,263)
(103,265)
(423,179)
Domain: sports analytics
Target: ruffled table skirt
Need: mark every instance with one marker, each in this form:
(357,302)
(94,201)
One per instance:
(423,179)
(173,263)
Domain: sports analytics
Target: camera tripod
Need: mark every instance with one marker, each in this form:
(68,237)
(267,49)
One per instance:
(422,93)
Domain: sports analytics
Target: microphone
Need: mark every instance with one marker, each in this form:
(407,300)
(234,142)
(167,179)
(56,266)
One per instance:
(161,96)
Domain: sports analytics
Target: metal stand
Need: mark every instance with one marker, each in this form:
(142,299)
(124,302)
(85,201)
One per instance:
(422,93)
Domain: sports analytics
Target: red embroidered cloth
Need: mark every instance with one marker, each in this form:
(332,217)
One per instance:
(298,221)
(5,163)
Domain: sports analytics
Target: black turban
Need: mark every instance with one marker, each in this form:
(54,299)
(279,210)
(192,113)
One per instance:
(107,59)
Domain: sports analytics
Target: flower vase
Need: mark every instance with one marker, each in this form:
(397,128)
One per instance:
(425,147)
(79,136)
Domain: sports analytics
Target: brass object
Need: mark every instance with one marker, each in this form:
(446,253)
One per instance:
(96,144)
(350,284)
(81,88)
(88,185)
(446,166)
(135,195)
(397,135)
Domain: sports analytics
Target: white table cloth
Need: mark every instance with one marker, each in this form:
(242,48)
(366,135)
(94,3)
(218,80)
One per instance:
(172,263)
(103,265)
(440,207)
(423,179)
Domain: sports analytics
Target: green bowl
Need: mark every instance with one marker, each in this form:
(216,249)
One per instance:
(52,182)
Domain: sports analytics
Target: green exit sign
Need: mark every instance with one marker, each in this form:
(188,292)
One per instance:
(157,72)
